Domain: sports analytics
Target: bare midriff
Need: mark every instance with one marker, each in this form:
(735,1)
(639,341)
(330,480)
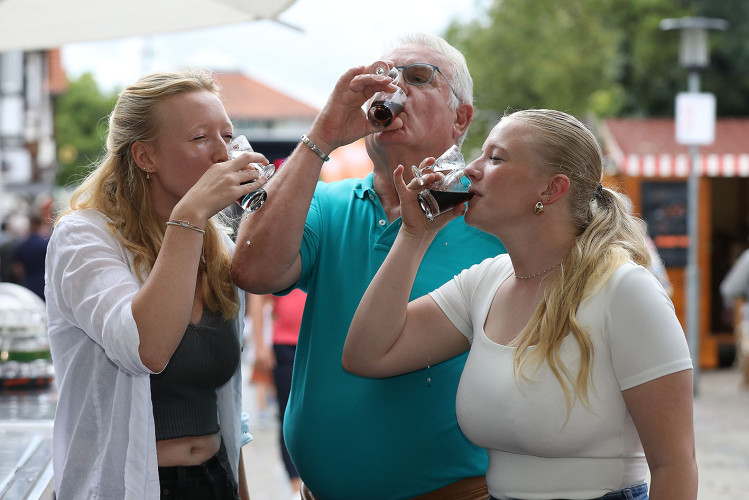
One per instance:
(192,450)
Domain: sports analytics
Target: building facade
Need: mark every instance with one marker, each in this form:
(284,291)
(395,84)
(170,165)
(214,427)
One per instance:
(28,83)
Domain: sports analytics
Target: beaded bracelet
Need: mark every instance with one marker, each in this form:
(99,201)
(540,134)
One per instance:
(306,140)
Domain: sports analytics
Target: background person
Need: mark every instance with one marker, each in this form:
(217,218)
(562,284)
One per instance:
(14,229)
(278,358)
(735,286)
(28,264)
(656,266)
(352,437)
(260,356)
(143,320)
(577,360)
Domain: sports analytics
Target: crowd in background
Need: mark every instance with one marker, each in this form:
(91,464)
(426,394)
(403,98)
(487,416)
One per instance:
(23,245)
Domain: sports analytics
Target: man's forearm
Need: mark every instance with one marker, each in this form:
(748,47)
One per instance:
(268,242)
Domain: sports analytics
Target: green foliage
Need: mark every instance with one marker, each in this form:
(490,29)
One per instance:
(648,71)
(728,74)
(80,128)
(595,58)
(540,54)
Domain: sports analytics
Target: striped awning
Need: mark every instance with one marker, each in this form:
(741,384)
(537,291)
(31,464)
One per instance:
(679,165)
(646,147)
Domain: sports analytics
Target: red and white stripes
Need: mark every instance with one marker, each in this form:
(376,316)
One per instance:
(666,165)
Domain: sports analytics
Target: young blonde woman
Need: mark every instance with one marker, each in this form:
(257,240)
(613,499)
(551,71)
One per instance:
(578,381)
(144,321)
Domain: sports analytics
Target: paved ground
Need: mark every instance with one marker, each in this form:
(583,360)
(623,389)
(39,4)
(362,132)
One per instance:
(266,475)
(721,419)
(721,411)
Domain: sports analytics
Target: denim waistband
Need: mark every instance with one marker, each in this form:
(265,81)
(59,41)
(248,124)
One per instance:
(636,492)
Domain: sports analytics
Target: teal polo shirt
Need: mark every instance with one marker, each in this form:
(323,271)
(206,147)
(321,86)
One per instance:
(352,437)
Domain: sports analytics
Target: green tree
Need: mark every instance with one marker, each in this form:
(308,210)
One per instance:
(80,128)
(596,58)
(535,53)
(728,74)
(648,71)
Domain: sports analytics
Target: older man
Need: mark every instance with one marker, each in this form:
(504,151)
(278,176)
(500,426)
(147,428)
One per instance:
(352,437)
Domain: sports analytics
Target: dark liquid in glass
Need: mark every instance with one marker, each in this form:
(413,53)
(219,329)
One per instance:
(381,113)
(449,199)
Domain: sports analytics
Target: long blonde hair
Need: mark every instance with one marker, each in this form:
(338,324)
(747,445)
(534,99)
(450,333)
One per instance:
(119,189)
(607,237)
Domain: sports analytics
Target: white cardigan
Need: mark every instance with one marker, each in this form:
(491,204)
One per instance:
(104,443)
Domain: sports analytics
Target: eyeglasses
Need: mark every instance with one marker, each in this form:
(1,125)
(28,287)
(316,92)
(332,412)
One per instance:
(418,74)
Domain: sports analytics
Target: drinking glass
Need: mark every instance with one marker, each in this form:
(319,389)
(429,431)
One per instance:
(449,191)
(386,105)
(449,160)
(256,198)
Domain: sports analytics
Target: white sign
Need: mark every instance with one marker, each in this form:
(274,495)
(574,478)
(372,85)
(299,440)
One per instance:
(695,118)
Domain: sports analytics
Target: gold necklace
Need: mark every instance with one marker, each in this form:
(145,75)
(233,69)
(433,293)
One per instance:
(537,274)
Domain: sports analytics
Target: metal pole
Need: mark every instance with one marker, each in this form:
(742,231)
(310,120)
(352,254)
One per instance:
(693,271)
(693,55)
(2,145)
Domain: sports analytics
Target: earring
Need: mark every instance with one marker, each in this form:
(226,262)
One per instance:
(148,174)
(539,208)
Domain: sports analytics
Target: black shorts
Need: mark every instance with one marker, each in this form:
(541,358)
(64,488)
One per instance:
(212,479)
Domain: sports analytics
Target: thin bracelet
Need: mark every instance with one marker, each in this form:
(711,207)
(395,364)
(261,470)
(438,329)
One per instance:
(314,148)
(186,224)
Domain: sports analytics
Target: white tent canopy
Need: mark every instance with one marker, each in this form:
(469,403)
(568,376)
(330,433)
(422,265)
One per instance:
(43,24)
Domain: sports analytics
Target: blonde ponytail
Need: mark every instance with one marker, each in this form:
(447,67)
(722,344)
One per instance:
(608,237)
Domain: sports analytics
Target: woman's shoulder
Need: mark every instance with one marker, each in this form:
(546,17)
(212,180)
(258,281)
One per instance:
(83,218)
(491,268)
(630,281)
(629,271)
(82,224)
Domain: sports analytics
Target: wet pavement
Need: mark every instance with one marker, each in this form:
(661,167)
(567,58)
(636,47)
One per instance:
(721,412)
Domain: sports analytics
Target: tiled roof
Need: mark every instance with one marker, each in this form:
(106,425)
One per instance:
(648,147)
(249,99)
(657,136)
(58,82)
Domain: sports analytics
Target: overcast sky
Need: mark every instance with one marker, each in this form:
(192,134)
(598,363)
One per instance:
(336,35)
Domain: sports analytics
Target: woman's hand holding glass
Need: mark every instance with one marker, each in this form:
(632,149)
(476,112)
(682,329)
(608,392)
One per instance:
(220,185)
(450,190)
(413,218)
(255,199)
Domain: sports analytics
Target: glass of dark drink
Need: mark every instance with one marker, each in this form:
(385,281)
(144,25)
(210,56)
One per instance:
(448,161)
(256,198)
(450,190)
(386,105)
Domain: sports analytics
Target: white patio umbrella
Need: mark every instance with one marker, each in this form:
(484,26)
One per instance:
(43,24)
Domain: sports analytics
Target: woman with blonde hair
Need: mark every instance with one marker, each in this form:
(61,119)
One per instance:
(144,321)
(578,380)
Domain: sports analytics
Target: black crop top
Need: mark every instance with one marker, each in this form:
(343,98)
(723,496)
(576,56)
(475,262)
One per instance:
(184,393)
